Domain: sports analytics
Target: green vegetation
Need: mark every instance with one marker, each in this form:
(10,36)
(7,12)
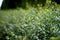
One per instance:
(42,23)
(55,38)
(12,4)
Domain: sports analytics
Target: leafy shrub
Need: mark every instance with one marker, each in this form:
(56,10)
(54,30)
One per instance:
(31,24)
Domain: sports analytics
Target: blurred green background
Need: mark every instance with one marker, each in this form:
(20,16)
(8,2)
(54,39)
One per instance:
(30,20)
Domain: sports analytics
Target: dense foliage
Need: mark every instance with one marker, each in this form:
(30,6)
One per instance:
(7,4)
(32,24)
(21,3)
(39,22)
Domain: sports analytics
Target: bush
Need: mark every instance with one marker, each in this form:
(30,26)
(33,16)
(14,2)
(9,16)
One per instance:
(12,4)
(31,24)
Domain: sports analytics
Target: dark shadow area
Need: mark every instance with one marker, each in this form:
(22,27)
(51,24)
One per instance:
(57,1)
(12,4)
